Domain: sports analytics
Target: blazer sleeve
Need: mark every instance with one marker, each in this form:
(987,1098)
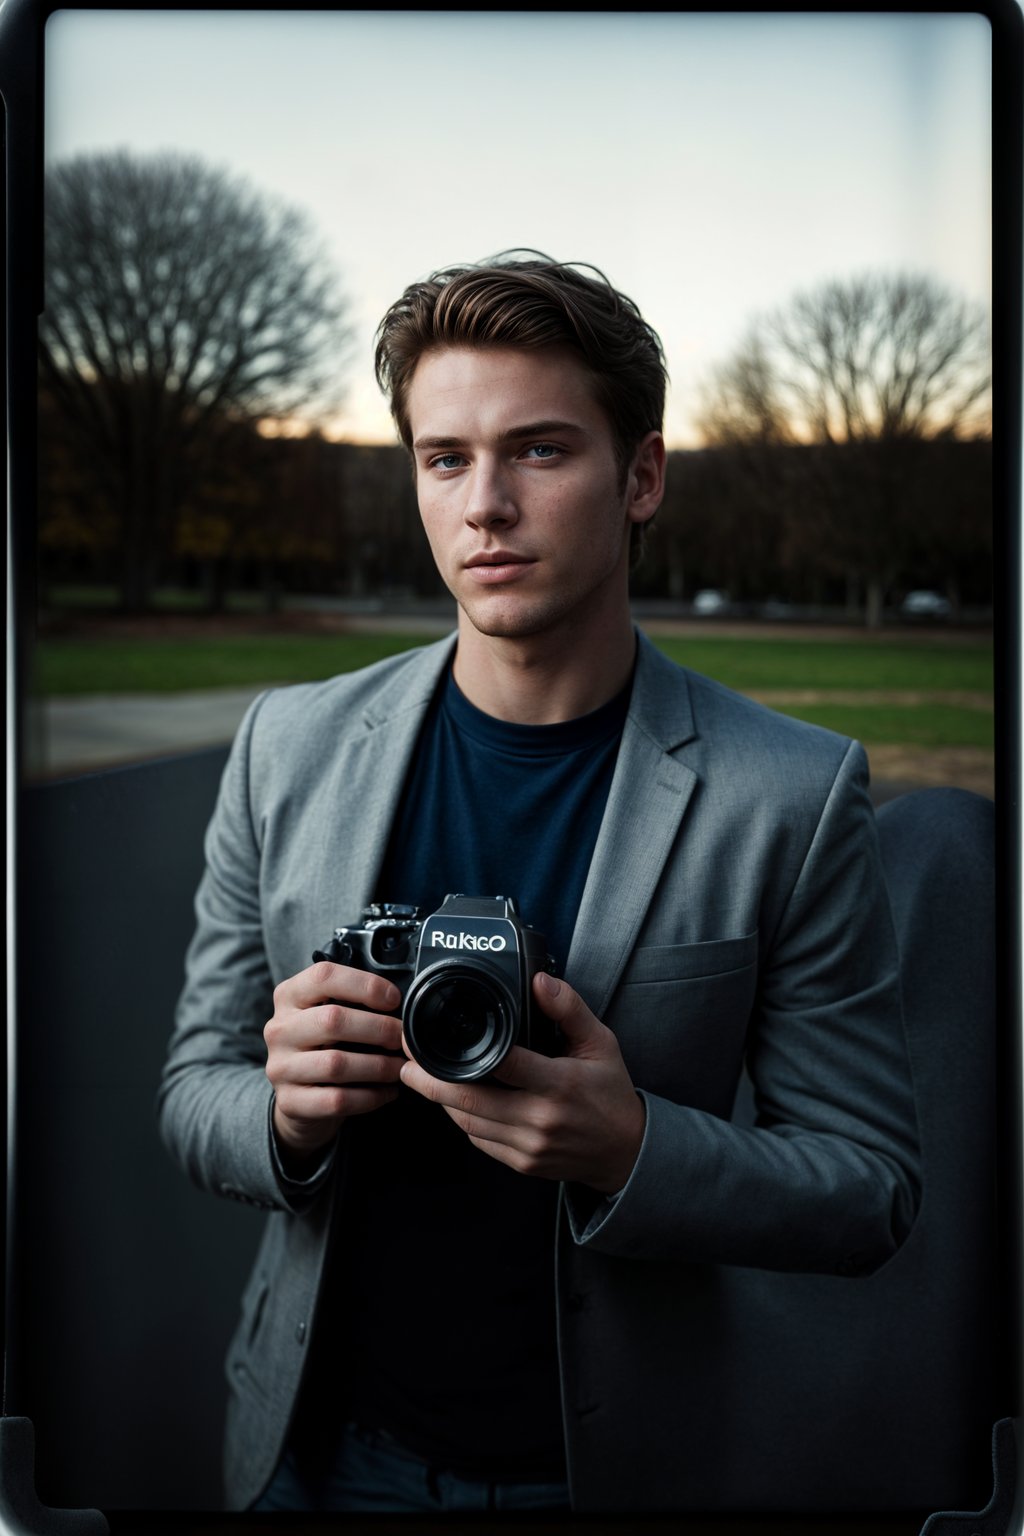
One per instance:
(828,1179)
(215,1100)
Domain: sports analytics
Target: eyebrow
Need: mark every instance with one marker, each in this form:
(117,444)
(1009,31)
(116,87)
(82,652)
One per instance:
(512,434)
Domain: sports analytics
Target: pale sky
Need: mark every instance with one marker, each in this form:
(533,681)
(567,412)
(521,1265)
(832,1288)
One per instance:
(711,164)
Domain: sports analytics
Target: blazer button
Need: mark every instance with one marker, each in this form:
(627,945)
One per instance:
(300,1333)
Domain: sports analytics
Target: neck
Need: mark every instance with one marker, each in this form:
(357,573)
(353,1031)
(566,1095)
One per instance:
(538,680)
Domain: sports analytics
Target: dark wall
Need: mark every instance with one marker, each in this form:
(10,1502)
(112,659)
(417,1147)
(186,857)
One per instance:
(130,1277)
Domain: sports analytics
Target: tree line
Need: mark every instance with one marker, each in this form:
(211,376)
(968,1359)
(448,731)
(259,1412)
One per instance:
(191,322)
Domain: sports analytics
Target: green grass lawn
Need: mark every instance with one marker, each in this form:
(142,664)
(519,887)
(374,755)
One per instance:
(173,665)
(814,663)
(920,725)
(81,666)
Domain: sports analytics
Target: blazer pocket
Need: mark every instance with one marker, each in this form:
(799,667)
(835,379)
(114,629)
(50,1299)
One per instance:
(254,1308)
(680,1014)
(254,1301)
(690,962)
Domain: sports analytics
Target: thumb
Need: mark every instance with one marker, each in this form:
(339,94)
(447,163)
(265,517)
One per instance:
(567,1008)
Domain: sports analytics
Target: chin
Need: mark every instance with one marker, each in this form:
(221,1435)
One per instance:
(510,621)
(505,626)
(519,614)
(525,621)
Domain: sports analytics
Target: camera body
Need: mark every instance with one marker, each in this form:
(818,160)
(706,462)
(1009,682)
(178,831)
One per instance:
(465,973)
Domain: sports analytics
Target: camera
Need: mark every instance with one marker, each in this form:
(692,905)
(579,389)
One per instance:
(465,974)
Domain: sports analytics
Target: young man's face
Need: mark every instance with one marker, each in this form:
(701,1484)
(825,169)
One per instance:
(518,488)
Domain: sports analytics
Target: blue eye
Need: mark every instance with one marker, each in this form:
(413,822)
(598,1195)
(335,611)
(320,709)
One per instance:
(544,450)
(446,461)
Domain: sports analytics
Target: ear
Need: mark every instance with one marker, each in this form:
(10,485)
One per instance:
(645,484)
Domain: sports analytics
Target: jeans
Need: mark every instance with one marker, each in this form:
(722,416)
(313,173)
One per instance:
(371,1472)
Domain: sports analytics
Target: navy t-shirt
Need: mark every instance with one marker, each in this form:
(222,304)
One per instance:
(438,1317)
(494,808)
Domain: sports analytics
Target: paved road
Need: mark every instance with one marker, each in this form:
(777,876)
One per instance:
(66,737)
(79,735)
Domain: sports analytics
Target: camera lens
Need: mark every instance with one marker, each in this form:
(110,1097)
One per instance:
(458,1023)
(457,1015)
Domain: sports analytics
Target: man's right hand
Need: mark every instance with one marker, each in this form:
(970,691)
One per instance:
(317,1082)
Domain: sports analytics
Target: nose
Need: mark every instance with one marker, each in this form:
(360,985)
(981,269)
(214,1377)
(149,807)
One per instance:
(490,502)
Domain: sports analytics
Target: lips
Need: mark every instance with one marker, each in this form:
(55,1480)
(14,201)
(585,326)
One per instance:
(497,557)
(495,567)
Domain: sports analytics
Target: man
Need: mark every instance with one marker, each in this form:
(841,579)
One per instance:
(485,1294)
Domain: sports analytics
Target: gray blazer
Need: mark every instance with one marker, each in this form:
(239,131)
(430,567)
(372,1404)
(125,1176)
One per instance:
(734,911)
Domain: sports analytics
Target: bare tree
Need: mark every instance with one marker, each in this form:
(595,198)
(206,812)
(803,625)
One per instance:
(179,303)
(873,358)
(879,358)
(741,400)
(857,368)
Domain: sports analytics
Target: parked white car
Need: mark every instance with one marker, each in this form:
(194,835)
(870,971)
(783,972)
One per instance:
(925,605)
(710,600)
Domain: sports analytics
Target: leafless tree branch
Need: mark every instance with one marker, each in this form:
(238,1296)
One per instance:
(178,300)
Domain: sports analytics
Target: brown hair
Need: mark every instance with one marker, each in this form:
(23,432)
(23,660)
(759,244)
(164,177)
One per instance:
(506,301)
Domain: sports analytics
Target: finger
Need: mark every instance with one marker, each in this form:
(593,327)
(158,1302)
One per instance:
(558,1000)
(313,1104)
(340,1066)
(311,1029)
(362,1101)
(378,1030)
(512,1157)
(463,1096)
(490,1136)
(326,982)
(528,1070)
(491,1113)
(474,1098)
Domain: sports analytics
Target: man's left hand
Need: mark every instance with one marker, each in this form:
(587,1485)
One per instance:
(575,1117)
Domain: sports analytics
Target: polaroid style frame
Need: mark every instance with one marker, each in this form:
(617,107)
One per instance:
(22,89)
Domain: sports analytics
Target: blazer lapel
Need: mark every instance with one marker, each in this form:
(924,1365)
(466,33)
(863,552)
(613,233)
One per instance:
(369,775)
(649,794)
